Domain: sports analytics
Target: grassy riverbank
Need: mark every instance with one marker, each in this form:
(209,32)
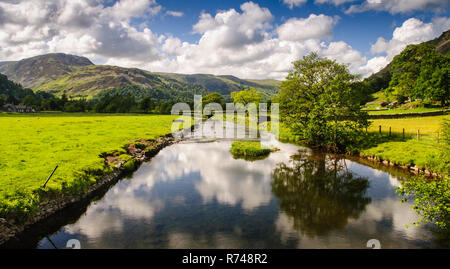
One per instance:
(249,150)
(33,144)
(425,153)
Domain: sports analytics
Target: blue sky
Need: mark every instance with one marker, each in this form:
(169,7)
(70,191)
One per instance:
(359,30)
(249,39)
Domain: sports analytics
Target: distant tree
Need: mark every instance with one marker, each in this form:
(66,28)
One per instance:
(246,96)
(147,104)
(76,106)
(419,72)
(115,104)
(318,101)
(63,100)
(433,81)
(213,98)
(165,107)
(31,101)
(12,100)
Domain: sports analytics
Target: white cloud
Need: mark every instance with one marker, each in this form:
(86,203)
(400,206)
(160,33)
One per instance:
(400,6)
(231,29)
(174,13)
(79,27)
(243,42)
(335,2)
(134,8)
(313,27)
(294,3)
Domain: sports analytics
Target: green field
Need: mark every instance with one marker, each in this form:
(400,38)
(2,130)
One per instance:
(427,126)
(425,152)
(32,145)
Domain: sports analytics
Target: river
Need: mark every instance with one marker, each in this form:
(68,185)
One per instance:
(194,194)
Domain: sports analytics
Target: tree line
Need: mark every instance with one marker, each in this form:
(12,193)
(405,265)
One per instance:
(111,102)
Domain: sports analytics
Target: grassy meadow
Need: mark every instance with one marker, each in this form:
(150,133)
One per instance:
(33,144)
(427,126)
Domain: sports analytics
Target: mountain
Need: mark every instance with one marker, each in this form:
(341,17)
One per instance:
(380,80)
(79,77)
(226,84)
(37,70)
(95,80)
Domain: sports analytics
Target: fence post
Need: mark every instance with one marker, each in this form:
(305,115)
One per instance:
(438,137)
(403,133)
(380,129)
(418,134)
(50,177)
(390,130)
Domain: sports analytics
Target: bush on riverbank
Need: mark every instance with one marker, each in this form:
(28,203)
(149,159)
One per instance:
(431,199)
(249,149)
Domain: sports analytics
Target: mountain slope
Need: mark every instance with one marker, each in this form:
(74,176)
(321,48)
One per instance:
(380,80)
(79,77)
(37,70)
(94,80)
(10,89)
(226,84)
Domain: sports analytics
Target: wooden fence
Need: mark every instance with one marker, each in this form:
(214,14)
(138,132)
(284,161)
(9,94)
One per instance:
(419,135)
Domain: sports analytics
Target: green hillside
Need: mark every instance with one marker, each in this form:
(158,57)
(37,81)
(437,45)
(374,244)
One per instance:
(416,73)
(380,80)
(94,80)
(35,71)
(79,77)
(227,84)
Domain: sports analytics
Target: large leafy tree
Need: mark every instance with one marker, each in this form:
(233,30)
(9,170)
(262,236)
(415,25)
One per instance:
(246,96)
(419,72)
(319,100)
(213,98)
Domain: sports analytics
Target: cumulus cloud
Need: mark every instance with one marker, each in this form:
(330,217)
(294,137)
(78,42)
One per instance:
(400,6)
(174,13)
(231,29)
(78,27)
(313,27)
(294,3)
(335,2)
(243,42)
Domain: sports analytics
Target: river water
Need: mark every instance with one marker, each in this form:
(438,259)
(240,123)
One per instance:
(196,195)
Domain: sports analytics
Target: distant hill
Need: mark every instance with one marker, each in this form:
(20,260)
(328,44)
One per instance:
(37,70)
(380,80)
(227,84)
(95,80)
(79,77)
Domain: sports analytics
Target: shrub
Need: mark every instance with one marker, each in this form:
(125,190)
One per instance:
(249,149)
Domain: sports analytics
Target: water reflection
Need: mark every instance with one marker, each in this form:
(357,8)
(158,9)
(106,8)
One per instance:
(195,195)
(319,193)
